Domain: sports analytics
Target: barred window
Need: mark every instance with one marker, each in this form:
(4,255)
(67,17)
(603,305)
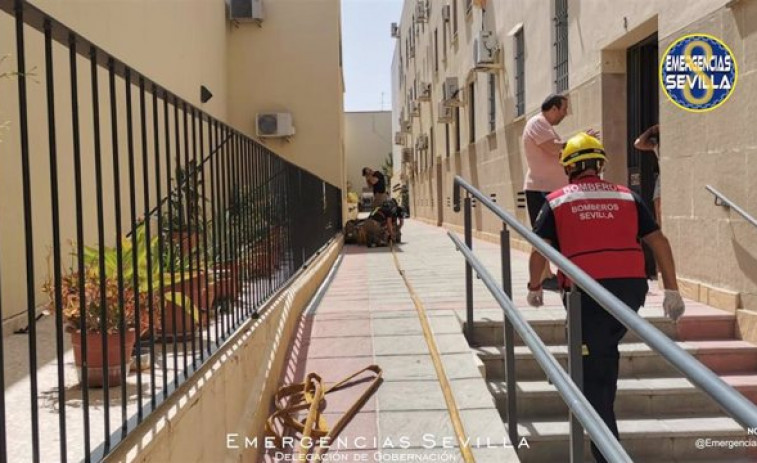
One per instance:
(454,18)
(446,139)
(520,71)
(492,102)
(561,45)
(436,50)
(472,113)
(457,129)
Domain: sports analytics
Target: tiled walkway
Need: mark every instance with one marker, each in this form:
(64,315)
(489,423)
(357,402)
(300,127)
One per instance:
(367,316)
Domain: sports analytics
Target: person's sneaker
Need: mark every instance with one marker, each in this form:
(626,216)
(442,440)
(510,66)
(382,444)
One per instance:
(550,284)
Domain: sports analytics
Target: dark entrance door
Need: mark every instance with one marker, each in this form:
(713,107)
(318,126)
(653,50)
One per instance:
(643,111)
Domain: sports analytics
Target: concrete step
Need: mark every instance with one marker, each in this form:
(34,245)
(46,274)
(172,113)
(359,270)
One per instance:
(637,360)
(699,323)
(669,440)
(636,397)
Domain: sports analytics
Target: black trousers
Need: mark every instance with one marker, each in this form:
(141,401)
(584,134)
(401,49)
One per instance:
(601,333)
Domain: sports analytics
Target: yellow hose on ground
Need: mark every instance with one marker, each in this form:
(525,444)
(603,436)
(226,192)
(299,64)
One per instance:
(449,398)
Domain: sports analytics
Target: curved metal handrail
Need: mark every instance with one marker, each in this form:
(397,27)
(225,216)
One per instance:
(570,393)
(729,399)
(722,200)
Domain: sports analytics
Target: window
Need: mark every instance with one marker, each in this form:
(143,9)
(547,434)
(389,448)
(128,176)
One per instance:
(444,43)
(431,144)
(436,50)
(454,18)
(468,6)
(457,129)
(561,45)
(492,103)
(446,139)
(520,82)
(472,113)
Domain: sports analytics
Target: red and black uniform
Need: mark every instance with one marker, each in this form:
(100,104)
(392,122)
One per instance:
(597,225)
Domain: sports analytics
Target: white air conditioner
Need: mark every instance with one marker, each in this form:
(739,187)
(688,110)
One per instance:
(425,93)
(399,138)
(445,13)
(445,114)
(411,52)
(421,11)
(395,31)
(270,125)
(415,109)
(407,155)
(450,92)
(484,49)
(406,125)
(246,10)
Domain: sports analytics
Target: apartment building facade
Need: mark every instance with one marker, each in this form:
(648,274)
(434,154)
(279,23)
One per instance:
(605,57)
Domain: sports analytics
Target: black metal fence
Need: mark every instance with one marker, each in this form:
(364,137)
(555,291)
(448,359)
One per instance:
(180,229)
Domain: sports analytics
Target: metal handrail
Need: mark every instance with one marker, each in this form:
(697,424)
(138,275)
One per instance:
(571,394)
(722,200)
(728,398)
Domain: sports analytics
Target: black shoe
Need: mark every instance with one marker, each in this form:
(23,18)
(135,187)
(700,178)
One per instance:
(550,284)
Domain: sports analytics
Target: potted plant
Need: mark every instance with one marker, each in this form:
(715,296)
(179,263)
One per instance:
(184,223)
(117,306)
(189,293)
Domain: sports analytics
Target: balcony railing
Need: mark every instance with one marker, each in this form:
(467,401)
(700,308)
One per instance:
(166,228)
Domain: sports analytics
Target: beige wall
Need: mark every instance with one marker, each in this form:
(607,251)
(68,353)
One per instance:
(712,148)
(292,64)
(367,141)
(126,30)
(243,67)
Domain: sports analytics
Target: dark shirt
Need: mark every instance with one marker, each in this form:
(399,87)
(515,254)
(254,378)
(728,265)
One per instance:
(380,185)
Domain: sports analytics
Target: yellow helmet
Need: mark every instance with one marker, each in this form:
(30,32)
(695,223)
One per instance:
(582,147)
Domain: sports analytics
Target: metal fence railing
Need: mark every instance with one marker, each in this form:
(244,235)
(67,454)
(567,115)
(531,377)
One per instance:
(729,399)
(167,230)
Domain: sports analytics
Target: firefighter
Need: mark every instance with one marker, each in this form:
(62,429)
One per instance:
(597,225)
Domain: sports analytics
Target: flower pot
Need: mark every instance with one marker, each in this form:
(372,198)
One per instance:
(192,289)
(95,363)
(187,240)
(227,280)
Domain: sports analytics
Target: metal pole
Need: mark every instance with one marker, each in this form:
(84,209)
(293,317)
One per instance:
(729,399)
(575,368)
(468,273)
(510,375)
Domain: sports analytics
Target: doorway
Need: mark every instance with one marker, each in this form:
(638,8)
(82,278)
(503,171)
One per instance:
(643,112)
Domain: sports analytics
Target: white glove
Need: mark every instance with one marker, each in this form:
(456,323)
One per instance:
(673,305)
(535,298)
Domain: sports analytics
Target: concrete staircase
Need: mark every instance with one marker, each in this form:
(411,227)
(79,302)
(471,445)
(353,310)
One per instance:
(660,414)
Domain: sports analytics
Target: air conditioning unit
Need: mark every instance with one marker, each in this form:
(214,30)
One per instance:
(484,49)
(425,93)
(399,138)
(411,52)
(450,92)
(421,143)
(407,155)
(395,31)
(246,10)
(445,13)
(271,125)
(421,11)
(415,109)
(445,114)
(406,125)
